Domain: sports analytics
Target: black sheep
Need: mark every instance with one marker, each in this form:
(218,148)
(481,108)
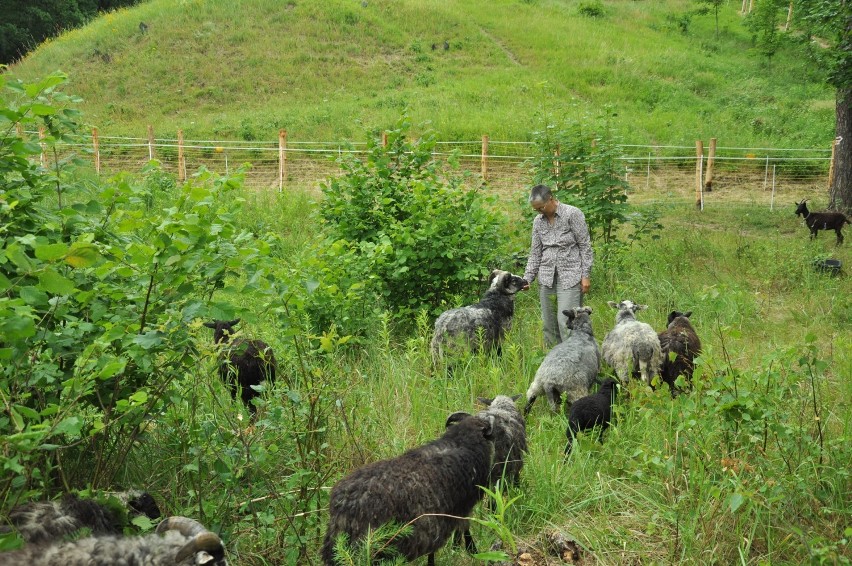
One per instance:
(817,221)
(679,345)
(432,487)
(590,411)
(246,363)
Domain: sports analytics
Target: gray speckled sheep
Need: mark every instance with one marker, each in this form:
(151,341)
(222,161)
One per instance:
(510,437)
(432,487)
(571,366)
(178,542)
(631,345)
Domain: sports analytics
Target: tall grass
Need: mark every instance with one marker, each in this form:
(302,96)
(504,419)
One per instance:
(322,70)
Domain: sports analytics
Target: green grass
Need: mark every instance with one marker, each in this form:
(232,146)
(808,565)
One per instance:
(734,472)
(327,70)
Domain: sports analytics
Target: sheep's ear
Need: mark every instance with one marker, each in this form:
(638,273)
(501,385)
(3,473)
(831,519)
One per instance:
(493,276)
(569,313)
(515,397)
(234,322)
(210,324)
(687,314)
(488,431)
(455,418)
(484,401)
(639,307)
(588,310)
(613,304)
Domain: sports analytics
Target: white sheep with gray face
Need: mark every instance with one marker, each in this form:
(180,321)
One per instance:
(179,541)
(631,346)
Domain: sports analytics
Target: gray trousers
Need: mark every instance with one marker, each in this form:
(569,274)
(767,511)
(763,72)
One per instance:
(553,301)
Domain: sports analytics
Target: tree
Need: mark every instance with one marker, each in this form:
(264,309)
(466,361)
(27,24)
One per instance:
(715,4)
(827,31)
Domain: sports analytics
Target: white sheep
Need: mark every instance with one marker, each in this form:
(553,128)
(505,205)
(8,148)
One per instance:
(631,346)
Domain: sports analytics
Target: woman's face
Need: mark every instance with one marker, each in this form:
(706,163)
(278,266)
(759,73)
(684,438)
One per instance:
(546,208)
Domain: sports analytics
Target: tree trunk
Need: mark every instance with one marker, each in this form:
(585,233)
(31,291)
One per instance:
(840,193)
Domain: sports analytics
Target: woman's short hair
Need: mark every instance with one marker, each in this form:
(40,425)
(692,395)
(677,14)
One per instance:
(540,193)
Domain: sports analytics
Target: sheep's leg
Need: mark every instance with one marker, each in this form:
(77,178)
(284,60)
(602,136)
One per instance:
(839,235)
(572,434)
(431,560)
(553,398)
(469,545)
(529,404)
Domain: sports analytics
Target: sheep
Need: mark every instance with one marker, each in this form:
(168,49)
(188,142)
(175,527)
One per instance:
(591,411)
(571,366)
(480,326)
(816,221)
(178,541)
(510,438)
(248,363)
(631,344)
(433,487)
(50,521)
(679,345)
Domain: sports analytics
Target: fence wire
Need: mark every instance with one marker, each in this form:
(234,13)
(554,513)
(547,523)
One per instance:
(665,175)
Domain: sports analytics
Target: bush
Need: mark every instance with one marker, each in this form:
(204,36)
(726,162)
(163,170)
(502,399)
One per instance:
(418,234)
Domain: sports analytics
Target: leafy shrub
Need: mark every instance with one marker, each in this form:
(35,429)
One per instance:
(591,9)
(418,234)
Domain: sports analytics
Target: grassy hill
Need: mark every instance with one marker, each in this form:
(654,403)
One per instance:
(331,69)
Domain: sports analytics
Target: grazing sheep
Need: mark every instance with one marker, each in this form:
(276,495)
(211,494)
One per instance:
(510,438)
(631,344)
(479,326)
(178,542)
(679,345)
(817,221)
(571,366)
(50,521)
(591,411)
(432,487)
(248,363)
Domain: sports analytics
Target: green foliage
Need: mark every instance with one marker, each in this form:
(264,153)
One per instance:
(375,548)
(583,168)
(98,289)
(416,234)
(591,9)
(26,24)
(763,22)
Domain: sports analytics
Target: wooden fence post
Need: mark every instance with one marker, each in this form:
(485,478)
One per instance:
(43,157)
(150,142)
(743,9)
(789,16)
(20,129)
(699,162)
(97,148)
(384,139)
(831,165)
(750,5)
(282,158)
(181,158)
(557,170)
(711,157)
(485,157)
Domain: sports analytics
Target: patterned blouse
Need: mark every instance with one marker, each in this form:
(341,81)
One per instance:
(564,247)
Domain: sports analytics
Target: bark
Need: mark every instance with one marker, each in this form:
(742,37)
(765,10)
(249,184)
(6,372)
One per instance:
(840,193)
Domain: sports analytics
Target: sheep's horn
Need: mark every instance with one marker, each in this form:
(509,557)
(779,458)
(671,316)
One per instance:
(184,525)
(456,417)
(203,542)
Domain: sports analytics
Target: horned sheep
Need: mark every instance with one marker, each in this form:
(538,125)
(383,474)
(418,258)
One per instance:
(246,363)
(571,366)
(51,521)
(178,541)
(433,488)
(631,344)
(482,326)
(679,346)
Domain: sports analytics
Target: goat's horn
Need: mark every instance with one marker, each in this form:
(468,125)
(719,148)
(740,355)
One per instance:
(203,542)
(184,525)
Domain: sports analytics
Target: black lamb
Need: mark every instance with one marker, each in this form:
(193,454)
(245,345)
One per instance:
(590,411)
(433,487)
(679,345)
(246,362)
(817,221)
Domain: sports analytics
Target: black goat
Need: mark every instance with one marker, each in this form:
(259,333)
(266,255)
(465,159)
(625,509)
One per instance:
(246,362)
(816,221)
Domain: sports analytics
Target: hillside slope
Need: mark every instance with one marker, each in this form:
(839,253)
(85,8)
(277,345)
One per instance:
(332,69)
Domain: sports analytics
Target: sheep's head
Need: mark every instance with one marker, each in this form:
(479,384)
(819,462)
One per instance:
(205,546)
(626,309)
(222,329)
(677,314)
(466,420)
(499,401)
(505,282)
(609,385)
(577,317)
(802,208)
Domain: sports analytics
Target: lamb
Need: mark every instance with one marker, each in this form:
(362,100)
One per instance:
(433,487)
(817,221)
(50,521)
(571,366)
(631,344)
(591,411)
(679,346)
(179,541)
(248,363)
(480,326)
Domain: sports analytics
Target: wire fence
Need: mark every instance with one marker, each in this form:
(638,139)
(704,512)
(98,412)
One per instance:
(664,174)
